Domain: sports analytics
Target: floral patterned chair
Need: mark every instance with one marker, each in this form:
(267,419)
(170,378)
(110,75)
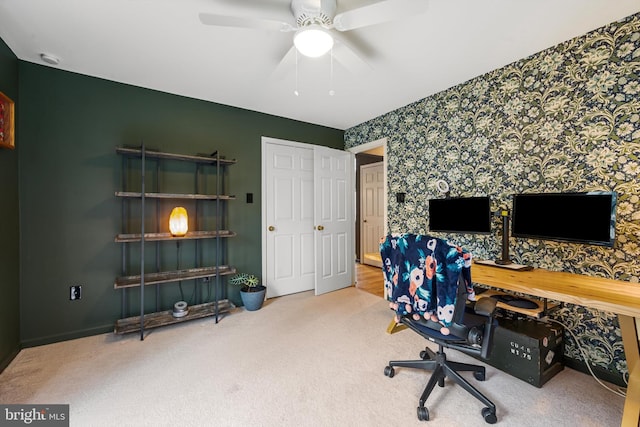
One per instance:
(428,284)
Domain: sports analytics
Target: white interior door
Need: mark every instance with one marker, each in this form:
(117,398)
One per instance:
(289,255)
(334,206)
(371,212)
(302,184)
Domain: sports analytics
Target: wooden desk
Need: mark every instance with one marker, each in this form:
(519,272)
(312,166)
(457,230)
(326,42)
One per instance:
(615,296)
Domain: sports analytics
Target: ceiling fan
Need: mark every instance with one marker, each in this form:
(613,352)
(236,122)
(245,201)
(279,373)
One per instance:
(317,26)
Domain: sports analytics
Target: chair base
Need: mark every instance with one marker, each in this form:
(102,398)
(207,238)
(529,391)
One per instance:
(443,368)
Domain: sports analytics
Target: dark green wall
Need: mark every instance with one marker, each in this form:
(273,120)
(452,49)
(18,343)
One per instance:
(69,172)
(9,243)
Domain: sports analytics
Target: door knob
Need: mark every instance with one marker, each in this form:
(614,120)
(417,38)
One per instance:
(320,228)
(271,228)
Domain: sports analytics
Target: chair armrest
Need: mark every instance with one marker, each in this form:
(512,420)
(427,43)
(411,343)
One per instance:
(485,306)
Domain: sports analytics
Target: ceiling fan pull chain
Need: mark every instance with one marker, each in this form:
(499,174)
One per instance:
(295,92)
(331,91)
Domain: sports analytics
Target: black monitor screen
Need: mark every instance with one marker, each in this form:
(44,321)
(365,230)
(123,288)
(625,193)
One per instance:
(460,215)
(575,217)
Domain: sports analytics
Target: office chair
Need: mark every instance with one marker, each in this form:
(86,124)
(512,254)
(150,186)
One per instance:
(457,325)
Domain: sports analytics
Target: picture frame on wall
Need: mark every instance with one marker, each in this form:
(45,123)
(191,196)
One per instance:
(7,122)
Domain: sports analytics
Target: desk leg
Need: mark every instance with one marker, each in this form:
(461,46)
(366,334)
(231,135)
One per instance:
(395,327)
(630,338)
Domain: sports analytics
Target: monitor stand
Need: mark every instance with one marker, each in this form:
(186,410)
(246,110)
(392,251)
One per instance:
(505,262)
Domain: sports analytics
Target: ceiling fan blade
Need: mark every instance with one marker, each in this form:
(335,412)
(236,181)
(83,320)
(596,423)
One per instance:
(261,5)
(346,56)
(284,66)
(377,13)
(243,22)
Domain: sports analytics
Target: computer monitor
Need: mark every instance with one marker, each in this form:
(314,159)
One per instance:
(587,217)
(460,215)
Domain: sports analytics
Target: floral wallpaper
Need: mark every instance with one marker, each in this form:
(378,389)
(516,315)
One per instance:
(565,119)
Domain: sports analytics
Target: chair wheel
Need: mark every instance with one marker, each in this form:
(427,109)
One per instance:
(424,355)
(489,415)
(480,376)
(423,413)
(389,371)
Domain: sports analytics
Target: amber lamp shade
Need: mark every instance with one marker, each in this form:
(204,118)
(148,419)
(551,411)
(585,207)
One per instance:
(179,221)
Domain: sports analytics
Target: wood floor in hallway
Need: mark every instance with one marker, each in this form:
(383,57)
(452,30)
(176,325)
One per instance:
(369,279)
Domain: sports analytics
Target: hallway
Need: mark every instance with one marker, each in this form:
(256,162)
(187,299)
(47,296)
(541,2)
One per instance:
(369,279)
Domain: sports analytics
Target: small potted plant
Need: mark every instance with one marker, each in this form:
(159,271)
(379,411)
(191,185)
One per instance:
(251,291)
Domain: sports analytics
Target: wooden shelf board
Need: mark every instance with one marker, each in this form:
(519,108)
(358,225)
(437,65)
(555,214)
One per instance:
(163,318)
(172,276)
(137,152)
(184,196)
(135,237)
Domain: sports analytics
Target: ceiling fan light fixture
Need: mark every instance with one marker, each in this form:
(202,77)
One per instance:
(313,41)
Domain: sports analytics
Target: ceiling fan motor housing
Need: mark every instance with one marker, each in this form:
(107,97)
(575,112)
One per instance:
(309,12)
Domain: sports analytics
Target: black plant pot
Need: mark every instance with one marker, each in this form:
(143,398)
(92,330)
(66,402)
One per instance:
(252,298)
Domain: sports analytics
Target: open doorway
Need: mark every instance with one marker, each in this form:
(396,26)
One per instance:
(369,229)
(370,213)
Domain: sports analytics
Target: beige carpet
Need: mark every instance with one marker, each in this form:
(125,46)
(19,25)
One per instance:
(302,360)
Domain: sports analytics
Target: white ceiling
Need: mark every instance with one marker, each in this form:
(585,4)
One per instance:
(162,45)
